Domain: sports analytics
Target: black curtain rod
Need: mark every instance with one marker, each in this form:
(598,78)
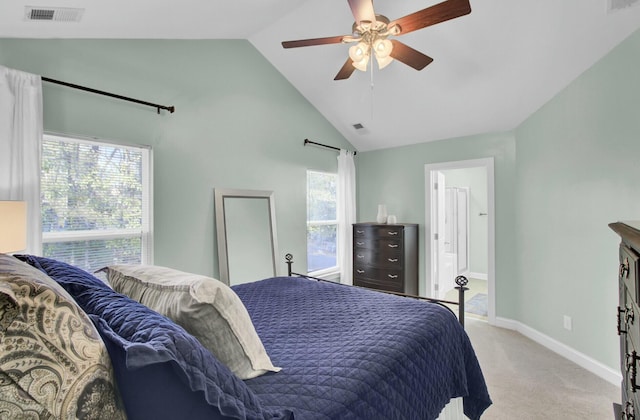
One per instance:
(171,109)
(307,141)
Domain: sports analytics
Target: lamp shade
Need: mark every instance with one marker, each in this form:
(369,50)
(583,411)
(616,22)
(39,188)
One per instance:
(13,226)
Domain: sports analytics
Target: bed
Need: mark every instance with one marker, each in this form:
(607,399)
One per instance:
(344,353)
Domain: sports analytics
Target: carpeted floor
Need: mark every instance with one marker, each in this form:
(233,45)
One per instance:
(526,381)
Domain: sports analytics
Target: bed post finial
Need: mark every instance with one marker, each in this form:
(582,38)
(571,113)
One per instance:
(461,281)
(289,259)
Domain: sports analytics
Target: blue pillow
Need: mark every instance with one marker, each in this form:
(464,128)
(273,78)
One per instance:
(162,371)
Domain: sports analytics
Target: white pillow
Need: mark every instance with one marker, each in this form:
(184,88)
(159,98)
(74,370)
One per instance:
(207,308)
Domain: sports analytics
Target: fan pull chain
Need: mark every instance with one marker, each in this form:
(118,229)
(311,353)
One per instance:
(372,97)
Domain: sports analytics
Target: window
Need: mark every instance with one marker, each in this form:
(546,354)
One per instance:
(95,202)
(322,222)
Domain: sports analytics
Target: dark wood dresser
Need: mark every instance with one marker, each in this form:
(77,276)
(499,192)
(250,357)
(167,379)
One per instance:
(385,257)
(628,318)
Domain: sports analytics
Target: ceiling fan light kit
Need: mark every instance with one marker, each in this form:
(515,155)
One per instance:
(370,33)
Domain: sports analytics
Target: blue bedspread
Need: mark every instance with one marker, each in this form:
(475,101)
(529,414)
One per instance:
(349,353)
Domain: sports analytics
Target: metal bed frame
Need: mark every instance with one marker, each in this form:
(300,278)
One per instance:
(461,281)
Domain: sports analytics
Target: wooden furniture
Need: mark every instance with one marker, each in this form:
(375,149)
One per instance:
(628,322)
(385,257)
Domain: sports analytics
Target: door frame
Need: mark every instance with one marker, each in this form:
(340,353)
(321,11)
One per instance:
(466,231)
(488,164)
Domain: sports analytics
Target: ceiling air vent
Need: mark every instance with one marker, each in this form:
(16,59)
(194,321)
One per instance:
(360,129)
(53,14)
(613,5)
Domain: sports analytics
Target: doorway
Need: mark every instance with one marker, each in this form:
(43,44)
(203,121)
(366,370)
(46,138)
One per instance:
(460,232)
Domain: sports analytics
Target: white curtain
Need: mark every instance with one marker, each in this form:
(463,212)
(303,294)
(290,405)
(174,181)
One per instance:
(20,146)
(346,214)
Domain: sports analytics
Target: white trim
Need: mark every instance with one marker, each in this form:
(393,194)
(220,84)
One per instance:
(326,273)
(149,251)
(90,235)
(479,276)
(599,369)
(98,141)
(333,276)
(487,163)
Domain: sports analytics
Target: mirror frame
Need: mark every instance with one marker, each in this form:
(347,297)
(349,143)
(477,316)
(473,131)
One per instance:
(221,228)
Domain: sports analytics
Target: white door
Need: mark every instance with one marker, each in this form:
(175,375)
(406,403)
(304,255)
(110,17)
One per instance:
(444,262)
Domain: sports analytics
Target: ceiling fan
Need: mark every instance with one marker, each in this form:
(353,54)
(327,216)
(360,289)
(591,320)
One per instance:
(371,33)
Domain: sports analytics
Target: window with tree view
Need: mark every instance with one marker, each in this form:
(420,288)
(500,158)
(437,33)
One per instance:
(321,221)
(95,202)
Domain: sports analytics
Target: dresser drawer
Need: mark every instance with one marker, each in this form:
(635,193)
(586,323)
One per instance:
(391,232)
(628,272)
(385,275)
(383,244)
(629,406)
(378,231)
(381,258)
(364,231)
(630,367)
(631,321)
(380,279)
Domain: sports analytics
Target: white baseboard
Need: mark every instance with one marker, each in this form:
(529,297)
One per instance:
(479,276)
(590,364)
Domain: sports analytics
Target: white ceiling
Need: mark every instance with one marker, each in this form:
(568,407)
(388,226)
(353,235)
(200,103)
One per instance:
(492,68)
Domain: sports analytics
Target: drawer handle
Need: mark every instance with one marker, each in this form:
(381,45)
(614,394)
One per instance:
(359,231)
(392,276)
(392,232)
(619,320)
(359,256)
(393,245)
(629,411)
(624,268)
(629,315)
(631,365)
(360,271)
(392,259)
(359,243)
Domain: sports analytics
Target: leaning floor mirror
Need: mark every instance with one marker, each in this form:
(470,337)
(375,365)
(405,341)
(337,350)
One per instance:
(246,234)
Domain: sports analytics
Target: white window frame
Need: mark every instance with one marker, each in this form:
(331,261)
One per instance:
(329,273)
(146,231)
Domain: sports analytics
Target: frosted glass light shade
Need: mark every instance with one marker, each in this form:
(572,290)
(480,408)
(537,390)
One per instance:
(13,226)
(382,48)
(384,61)
(359,53)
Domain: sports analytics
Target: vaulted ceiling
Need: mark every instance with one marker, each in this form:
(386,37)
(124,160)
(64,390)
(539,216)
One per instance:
(492,68)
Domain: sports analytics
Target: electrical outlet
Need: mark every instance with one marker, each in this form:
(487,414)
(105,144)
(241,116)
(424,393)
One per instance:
(567,322)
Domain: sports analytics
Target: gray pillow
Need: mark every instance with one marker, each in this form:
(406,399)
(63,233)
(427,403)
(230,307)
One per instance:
(207,308)
(53,362)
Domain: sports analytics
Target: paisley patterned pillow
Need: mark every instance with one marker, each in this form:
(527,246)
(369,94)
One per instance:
(53,363)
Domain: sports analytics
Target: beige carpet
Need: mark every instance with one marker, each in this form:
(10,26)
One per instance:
(526,381)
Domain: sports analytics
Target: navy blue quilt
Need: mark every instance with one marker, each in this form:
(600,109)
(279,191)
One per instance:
(350,353)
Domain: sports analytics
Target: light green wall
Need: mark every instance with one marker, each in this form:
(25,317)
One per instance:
(476,180)
(578,170)
(396,178)
(238,124)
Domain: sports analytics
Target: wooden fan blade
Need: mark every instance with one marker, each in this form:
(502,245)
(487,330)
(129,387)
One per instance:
(346,71)
(441,12)
(313,41)
(362,10)
(409,56)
